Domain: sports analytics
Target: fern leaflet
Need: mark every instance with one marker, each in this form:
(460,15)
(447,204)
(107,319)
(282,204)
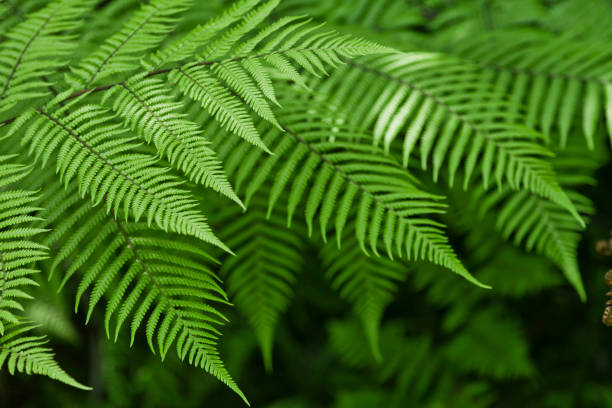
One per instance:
(21,352)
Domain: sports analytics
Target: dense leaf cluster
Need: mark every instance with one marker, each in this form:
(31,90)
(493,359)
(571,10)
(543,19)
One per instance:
(173,165)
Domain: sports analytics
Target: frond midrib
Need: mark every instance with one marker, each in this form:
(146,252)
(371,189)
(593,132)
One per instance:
(445,106)
(153,73)
(4,275)
(146,270)
(158,120)
(120,45)
(161,203)
(23,52)
(351,180)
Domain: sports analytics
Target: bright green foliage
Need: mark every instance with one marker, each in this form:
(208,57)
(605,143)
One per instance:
(540,225)
(184,48)
(19,351)
(25,353)
(18,250)
(37,47)
(459,119)
(244,72)
(126,126)
(97,152)
(337,173)
(144,31)
(556,78)
(149,109)
(151,279)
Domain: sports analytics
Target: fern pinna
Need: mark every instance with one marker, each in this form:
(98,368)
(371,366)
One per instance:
(173,172)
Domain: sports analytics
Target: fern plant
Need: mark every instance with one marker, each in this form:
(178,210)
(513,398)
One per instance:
(173,160)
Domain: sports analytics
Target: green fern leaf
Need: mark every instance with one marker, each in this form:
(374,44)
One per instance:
(229,66)
(537,224)
(188,46)
(37,47)
(368,283)
(18,250)
(556,78)
(260,278)
(147,108)
(223,45)
(122,52)
(160,281)
(350,174)
(27,354)
(94,150)
(453,120)
(202,86)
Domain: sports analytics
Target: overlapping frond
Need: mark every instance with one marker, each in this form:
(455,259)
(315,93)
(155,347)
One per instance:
(260,278)
(200,85)
(188,46)
(234,69)
(148,108)
(18,250)
(444,107)
(37,47)
(158,281)
(368,283)
(93,149)
(132,132)
(537,224)
(121,53)
(330,171)
(21,351)
(557,78)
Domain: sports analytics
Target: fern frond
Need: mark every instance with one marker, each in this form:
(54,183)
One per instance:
(556,78)
(93,149)
(18,250)
(200,85)
(260,278)
(189,45)
(309,46)
(24,353)
(332,171)
(368,283)
(148,108)
(152,279)
(121,53)
(540,225)
(444,106)
(37,47)
(231,67)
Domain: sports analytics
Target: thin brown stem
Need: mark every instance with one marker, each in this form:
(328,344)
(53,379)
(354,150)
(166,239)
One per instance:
(165,71)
